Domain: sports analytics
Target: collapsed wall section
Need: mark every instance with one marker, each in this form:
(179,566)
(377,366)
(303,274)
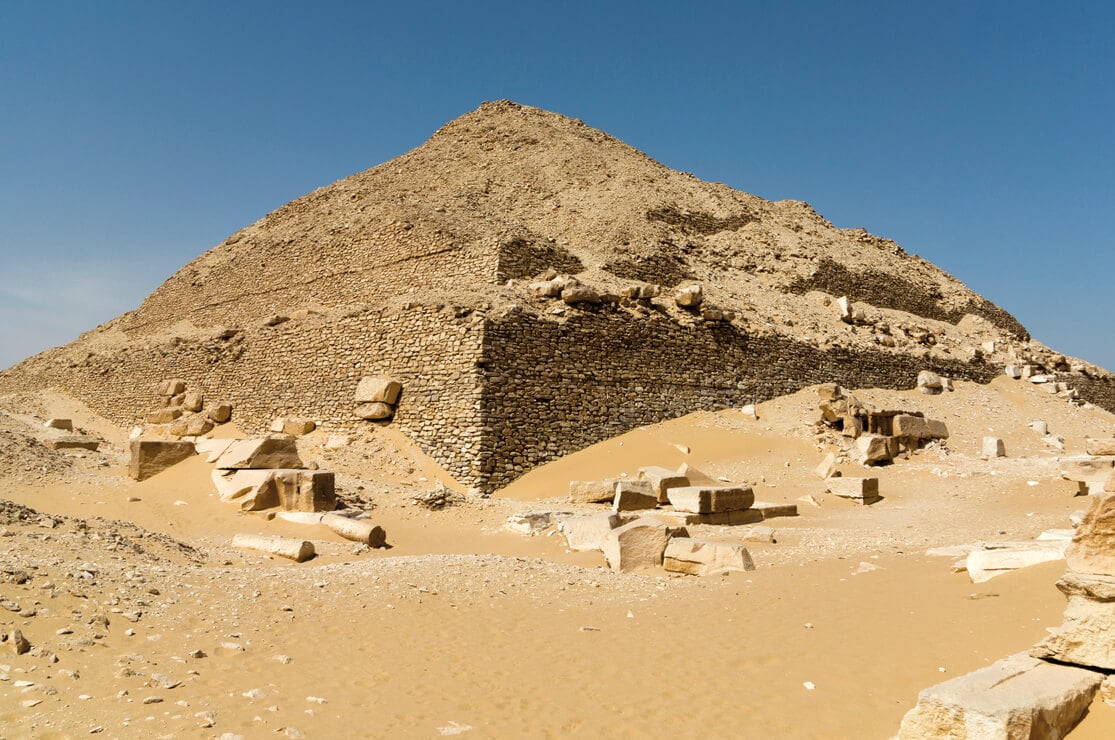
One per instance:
(551,388)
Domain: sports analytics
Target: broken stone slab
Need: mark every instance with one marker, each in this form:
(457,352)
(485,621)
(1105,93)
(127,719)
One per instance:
(689,296)
(164,416)
(530,523)
(870,449)
(983,565)
(1098,469)
(719,519)
(232,484)
(1100,447)
(638,544)
(219,413)
(376,411)
(633,495)
(587,532)
(1093,545)
(860,490)
(372,389)
(704,558)
(711,499)
(1087,634)
(993,447)
(212,448)
(771,510)
(72,442)
(260,453)
(299,517)
(695,476)
(357,530)
(172,387)
(918,427)
(827,467)
(592,491)
(662,480)
(1017,697)
(1056,535)
(297,550)
(63,424)
(759,534)
(929,383)
(149,457)
(194,401)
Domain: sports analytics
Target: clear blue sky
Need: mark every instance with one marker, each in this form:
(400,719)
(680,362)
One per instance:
(136,135)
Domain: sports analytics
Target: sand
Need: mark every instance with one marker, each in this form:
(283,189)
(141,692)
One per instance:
(465,628)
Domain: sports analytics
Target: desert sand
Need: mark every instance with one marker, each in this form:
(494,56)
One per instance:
(144,621)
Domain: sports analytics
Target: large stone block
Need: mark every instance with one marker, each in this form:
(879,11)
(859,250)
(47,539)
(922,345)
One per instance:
(152,456)
(637,544)
(237,483)
(164,416)
(1087,635)
(870,449)
(194,401)
(983,565)
(704,558)
(63,424)
(306,490)
(72,442)
(993,447)
(633,495)
(1014,698)
(860,490)
(260,453)
(711,499)
(915,427)
(219,412)
(587,532)
(662,479)
(375,411)
(378,390)
(1105,446)
(172,387)
(592,491)
(1093,547)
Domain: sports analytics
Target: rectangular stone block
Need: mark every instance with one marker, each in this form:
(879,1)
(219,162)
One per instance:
(633,495)
(1087,635)
(1093,546)
(378,390)
(711,499)
(306,490)
(702,557)
(864,490)
(663,479)
(905,425)
(261,453)
(770,510)
(1017,697)
(1105,446)
(72,443)
(587,532)
(152,456)
(1087,468)
(592,491)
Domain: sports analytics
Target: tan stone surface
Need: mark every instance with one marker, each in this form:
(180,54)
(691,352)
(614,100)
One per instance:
(152,456)
(1093,547)
(704,558)
(260,453)
(1086,637)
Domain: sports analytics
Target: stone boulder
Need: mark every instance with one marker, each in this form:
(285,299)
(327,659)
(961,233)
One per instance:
(1087,635)
(870,449)
(704,558)
(689,296)
(194,401)
(219,413)
(172,387)
(63,424)
(378,390)
(930,383)
(993,447)
(375,411)
(260,453)
(149,457)
(164,415)
(638,544)
(1017,697)
(1093,547)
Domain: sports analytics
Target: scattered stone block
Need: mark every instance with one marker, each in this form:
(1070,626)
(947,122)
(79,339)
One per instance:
(693,475)
(260,453)
(164,416)
(376,411)
(72,442)
(870,449)
(63,424)
(1093,547)
(300,517)
(861,490)
(771,510)
(233,484)
(827,467)
(662,480)
(152,456)
(574,294)
(530,523)
(983,565)
(937,429)
(193,401)
(172,387)
(993,447)
(592,491)
(1087,635)
(587,532)
(378,390)
(357,530)
(1100,447)
(190,426)
(1017,697)
(1041,427)
(930,383)
(306,490)
(1087,468)
(219,413)
(689,296)
(637,544)
(719,519)
(1013,371)
(297,550)
(759,534)
(633,495)
(212,448)
(711,499)
(293,425)
(703,558)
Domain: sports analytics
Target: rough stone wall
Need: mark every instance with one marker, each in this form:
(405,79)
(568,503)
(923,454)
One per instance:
(1096,390)
(552,388)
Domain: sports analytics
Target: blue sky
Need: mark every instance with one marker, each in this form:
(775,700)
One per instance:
(136,135)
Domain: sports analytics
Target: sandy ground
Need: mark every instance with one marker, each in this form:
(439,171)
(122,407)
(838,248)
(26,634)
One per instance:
(145,623)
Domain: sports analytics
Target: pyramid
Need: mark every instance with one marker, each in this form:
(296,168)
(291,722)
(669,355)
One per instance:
(435,269)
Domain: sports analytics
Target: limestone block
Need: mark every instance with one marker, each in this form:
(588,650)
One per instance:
(152,456)
(930,383)
(284,547)
(306,490)
(662,480)
(870,449)
(212,448)
(164,416)
(844,306)
(574,294)
(1014,698)
(259,453)
(1107,691)
(1087,634)
(1041,427)
(710,499)
(587,532)
(592,491)
(860,490)
(771,510)
(172,387)
(546,288)
(236,483)
(983,565)
(358,530)
(689,296)
(374,411)
(704,558)
(219,413)
(297,426)
(190,426)
(1099,447)
(529,523)
(1013,371)
(194,401)
(64,424)
(993,447)
(263,496)
(1093,547)
(633,495)
(372,389)
(72,442)
(827,467)
(937,429)
(916,427)
(637,544)
(719,519)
